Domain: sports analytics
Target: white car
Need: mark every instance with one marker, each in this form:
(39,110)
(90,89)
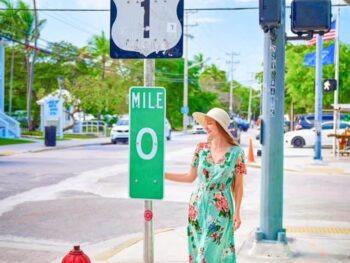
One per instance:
(120,131)
(306,137)
(198,129)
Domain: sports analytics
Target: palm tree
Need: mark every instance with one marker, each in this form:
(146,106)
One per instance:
(212,78)
(22,26)
(31,69)
(9,18)
(98,46)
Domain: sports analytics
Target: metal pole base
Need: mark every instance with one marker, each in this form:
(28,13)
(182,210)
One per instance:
(270,249)
(260,247)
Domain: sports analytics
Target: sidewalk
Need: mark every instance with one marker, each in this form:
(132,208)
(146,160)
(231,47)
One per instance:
(170,245)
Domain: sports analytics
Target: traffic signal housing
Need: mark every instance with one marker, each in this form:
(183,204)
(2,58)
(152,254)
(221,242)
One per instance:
(269,14)
(330,85)
(311,16)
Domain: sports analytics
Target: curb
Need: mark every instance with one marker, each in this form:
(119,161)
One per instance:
(10,153)
(65,147)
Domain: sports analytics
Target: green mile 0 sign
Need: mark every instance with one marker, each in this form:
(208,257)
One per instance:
(146,162)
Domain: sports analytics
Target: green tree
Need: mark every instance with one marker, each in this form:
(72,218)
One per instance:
(300,80)
(98,46)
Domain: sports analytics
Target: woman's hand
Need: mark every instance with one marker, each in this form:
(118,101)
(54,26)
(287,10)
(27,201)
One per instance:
(237,221)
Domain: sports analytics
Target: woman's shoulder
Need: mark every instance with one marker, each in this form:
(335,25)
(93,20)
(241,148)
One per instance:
(202,146)
(238,152)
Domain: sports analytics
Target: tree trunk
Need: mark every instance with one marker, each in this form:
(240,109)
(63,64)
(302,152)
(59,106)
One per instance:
(31,72)
(103,67)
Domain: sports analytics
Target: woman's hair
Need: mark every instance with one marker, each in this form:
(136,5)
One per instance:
(227,137)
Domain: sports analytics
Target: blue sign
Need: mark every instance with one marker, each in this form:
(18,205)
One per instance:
(146,29)
(185,110)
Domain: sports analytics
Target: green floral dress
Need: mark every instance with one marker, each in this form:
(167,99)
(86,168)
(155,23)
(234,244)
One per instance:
(211,210)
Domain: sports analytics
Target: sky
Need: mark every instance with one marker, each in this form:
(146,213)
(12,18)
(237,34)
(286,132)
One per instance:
(216,32)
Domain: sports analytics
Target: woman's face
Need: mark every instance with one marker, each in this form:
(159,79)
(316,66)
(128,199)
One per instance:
(212,128)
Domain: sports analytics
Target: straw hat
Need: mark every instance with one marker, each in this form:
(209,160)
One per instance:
(217,114)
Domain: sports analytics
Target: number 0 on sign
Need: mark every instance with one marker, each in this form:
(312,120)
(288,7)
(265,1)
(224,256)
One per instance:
(147,121)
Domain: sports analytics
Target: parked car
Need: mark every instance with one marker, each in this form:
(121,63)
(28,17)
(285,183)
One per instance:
(306,137)
(243,125)
(286,128)
(120,131)
(235,131)
(167,131)
(198,129)
(307,121)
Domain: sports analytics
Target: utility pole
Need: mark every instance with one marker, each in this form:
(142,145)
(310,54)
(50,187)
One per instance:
(250,101)
(185,108)
(232,62)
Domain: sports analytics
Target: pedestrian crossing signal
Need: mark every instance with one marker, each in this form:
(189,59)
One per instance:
(330,85)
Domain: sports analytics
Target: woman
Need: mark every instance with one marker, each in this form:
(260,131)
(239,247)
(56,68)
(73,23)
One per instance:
(212,215)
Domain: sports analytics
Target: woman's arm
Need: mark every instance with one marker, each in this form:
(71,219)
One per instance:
(237,189)
(188,177)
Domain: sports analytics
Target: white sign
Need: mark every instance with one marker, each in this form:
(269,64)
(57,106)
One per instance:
(146,26)
(53,108)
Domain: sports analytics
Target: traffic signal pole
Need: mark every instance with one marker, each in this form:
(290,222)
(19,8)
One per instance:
(271,206)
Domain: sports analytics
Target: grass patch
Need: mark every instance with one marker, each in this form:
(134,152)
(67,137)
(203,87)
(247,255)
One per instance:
(40,135)
(33,133)
(80,136)
(4,141)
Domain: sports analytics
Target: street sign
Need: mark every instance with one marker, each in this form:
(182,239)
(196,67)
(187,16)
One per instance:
(184,110)
(146,29)
(146,162)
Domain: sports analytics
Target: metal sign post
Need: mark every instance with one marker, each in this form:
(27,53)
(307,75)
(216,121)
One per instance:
(155,31)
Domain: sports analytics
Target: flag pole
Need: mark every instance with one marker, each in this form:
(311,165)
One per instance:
(318,100)
(336,92)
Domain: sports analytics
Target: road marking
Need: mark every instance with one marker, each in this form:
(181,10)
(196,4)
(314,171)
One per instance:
(320,230)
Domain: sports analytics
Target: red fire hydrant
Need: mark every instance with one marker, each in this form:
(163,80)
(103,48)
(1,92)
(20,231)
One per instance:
(76,256)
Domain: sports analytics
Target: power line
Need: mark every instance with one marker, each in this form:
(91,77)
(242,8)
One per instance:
(108,10)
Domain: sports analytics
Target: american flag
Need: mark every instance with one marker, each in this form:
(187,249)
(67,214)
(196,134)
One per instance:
(328,36)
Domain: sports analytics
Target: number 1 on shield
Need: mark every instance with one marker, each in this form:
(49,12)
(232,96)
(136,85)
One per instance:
(146,5)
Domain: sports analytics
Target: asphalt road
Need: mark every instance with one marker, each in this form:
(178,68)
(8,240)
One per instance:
(50,201)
